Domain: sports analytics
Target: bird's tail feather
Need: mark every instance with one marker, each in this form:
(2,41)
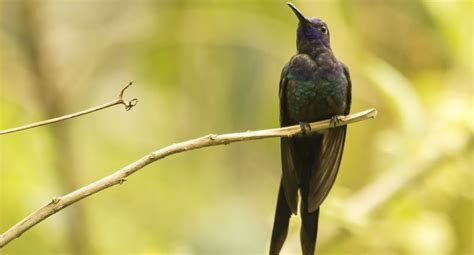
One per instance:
(280,225)
(309,228)
(309,219)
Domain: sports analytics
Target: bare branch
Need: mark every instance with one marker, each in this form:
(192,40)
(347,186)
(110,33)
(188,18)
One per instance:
(120,176)
(128,105)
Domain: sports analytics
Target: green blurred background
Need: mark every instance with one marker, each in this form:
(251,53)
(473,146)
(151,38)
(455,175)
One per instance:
(406,180)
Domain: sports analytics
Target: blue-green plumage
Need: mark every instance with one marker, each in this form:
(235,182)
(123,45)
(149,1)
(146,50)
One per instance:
(306,97)
(314,86)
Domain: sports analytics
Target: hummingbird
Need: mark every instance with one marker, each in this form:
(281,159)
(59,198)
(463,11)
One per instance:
(314,86)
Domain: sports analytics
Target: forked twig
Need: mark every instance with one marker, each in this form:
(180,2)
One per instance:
(119,100)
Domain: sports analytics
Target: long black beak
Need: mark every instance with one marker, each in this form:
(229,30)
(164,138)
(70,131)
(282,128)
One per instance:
(301,17)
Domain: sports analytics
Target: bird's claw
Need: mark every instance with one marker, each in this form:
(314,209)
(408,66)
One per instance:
(305,127)
(335,120)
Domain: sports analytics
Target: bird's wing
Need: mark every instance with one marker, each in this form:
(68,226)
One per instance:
(290,176)
(349,88)
(325,173)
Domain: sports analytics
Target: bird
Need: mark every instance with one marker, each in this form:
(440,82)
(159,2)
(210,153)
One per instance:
(314,86)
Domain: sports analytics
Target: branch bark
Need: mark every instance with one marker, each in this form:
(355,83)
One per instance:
(120,176)
(119,100)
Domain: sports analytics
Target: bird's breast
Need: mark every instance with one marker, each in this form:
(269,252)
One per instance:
(320,97)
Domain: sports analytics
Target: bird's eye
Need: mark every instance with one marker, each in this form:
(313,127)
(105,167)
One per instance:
(323,29)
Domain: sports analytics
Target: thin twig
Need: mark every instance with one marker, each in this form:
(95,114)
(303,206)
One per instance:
(119,100)
(120,176)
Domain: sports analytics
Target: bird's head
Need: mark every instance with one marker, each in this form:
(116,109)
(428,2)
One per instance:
(311,33)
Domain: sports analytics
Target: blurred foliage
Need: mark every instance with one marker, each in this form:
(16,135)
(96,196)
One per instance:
(405,185)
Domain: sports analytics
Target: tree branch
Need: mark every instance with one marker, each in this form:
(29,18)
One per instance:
(59,203)
(128,105)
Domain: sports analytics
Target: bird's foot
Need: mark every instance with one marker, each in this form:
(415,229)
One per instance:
(335,120)
(305,127)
